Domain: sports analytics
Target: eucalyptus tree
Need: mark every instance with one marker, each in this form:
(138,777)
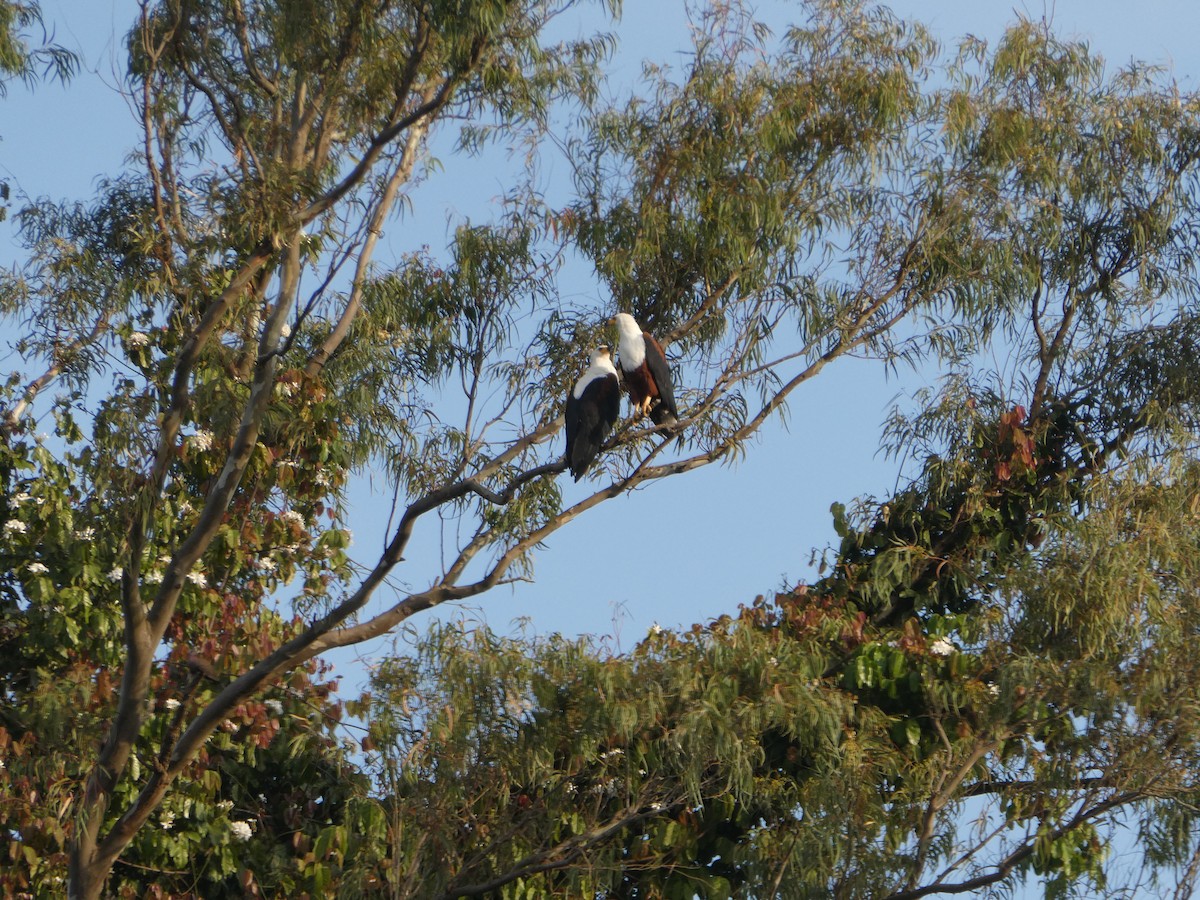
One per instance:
(228,352)
(993,680)
(1047,731)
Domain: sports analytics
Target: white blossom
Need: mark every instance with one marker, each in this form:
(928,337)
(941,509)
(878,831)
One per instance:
(15,526)
(608,786)
(293,518)
(138,339)
(171,703)
(241,830)
(23,497)
(201,440)
(274,707)
(266,564)
(224,805)
(941,647)
(168,819)
(197,578)
(154,577)
(656,629)
(116,574)
(994,690)
(285,330)
(37,568)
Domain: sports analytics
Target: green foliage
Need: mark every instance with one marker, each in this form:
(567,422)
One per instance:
(1006,636)
(801,737)
(1002,642)
(61,636)
(634,765)
(17,59)
(737,178)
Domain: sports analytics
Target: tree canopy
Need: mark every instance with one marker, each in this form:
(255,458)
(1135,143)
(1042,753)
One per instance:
(994,670)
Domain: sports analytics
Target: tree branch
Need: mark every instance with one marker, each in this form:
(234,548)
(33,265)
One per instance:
(1005,867)
(12,418)
(403,172)
(558,856)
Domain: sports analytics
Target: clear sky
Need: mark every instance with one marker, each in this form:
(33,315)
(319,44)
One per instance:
(675,552)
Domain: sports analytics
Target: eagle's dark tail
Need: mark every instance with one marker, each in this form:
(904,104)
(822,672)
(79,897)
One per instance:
(660,415)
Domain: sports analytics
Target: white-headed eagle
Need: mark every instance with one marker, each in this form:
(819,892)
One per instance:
(592,409)
(645,371)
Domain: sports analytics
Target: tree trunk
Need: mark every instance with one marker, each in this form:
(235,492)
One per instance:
(86,878)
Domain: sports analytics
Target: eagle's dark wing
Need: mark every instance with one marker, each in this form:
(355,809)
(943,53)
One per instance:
(656,361)
(589,421)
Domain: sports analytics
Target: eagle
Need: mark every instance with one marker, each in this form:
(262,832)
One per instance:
(644,368)
(592,409)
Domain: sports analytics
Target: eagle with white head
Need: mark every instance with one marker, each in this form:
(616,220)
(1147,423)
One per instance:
(645,372)
(592,409)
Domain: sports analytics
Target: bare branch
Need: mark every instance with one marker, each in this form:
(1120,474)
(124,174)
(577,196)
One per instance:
(1002,869)
(424,111)
(63,357)
(266,85)
(400,176)
(947,788)
(560,855)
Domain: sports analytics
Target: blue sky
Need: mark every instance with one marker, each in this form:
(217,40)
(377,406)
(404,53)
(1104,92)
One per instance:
(675,552)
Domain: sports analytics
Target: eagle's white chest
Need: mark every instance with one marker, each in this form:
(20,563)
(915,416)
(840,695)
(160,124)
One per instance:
(632,345)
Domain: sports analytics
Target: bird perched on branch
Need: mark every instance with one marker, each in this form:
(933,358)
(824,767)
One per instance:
(592,409)
(645,372)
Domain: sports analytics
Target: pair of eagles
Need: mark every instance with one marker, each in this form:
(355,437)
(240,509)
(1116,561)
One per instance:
(595,402)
